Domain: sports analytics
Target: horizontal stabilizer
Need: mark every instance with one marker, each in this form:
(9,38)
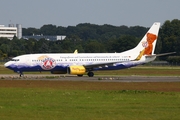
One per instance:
(163,54)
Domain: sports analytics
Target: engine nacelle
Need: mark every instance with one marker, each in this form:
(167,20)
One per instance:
(76,70)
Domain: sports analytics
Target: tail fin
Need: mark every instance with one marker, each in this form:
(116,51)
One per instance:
(147,45)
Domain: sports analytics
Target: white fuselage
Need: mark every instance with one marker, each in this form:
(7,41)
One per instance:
(60,62)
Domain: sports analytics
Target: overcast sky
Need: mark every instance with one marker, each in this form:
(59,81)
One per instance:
(36,13)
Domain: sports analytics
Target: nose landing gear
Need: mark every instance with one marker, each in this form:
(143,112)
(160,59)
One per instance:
(20,73)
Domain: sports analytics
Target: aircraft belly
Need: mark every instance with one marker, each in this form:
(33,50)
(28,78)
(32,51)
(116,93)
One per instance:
(111,67)
(23,68)
(118,66)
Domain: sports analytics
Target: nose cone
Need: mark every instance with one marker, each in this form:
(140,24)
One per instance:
(11,65)
(7,64)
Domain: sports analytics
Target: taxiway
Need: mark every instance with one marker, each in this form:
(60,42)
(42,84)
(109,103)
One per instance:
(102,78)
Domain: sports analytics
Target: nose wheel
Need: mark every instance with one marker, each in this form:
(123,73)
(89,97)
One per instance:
(20,73)
(90,74)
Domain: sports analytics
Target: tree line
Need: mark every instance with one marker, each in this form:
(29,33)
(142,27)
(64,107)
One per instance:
(91,38)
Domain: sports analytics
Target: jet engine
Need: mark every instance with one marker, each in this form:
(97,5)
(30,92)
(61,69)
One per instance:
(76,70)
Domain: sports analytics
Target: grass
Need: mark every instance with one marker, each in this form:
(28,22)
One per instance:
(48,103)
(46,100)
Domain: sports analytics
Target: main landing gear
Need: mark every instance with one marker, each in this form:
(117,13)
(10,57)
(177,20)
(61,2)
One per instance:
(90,74)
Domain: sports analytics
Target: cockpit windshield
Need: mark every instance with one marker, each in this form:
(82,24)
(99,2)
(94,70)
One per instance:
(14,59)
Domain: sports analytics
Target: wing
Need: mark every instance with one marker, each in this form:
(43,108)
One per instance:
(101,65)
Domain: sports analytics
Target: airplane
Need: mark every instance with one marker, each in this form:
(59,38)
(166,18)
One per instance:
(81,63)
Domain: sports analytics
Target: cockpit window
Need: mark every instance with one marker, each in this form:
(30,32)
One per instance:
(15,59)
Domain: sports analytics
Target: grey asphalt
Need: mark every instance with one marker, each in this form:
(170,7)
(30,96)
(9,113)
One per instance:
(98,78)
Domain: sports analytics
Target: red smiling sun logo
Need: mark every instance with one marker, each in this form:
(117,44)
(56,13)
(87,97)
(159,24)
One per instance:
(48,63)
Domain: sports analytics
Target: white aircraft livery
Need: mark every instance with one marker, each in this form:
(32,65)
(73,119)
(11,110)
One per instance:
(81,63)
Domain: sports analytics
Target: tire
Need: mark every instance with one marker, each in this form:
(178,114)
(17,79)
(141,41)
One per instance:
(90,74)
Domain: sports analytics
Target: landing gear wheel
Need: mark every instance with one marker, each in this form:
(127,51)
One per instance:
(20,75)
(90,74)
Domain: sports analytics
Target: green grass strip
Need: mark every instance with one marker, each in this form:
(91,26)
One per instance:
(57,104)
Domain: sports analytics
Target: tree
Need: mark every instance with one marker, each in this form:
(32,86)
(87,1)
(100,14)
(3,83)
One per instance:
(170,39)
(93,46)
(1,55)
(125,42)
(44,48)
(48,29)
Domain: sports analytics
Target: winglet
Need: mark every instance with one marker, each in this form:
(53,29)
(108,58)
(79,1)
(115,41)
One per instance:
(76,51)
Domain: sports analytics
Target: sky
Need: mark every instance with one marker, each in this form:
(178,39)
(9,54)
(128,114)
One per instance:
(36,13)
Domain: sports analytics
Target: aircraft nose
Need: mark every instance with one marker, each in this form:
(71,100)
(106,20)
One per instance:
(7,64)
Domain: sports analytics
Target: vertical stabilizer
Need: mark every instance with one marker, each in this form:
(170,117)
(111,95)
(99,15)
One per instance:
(147,45)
